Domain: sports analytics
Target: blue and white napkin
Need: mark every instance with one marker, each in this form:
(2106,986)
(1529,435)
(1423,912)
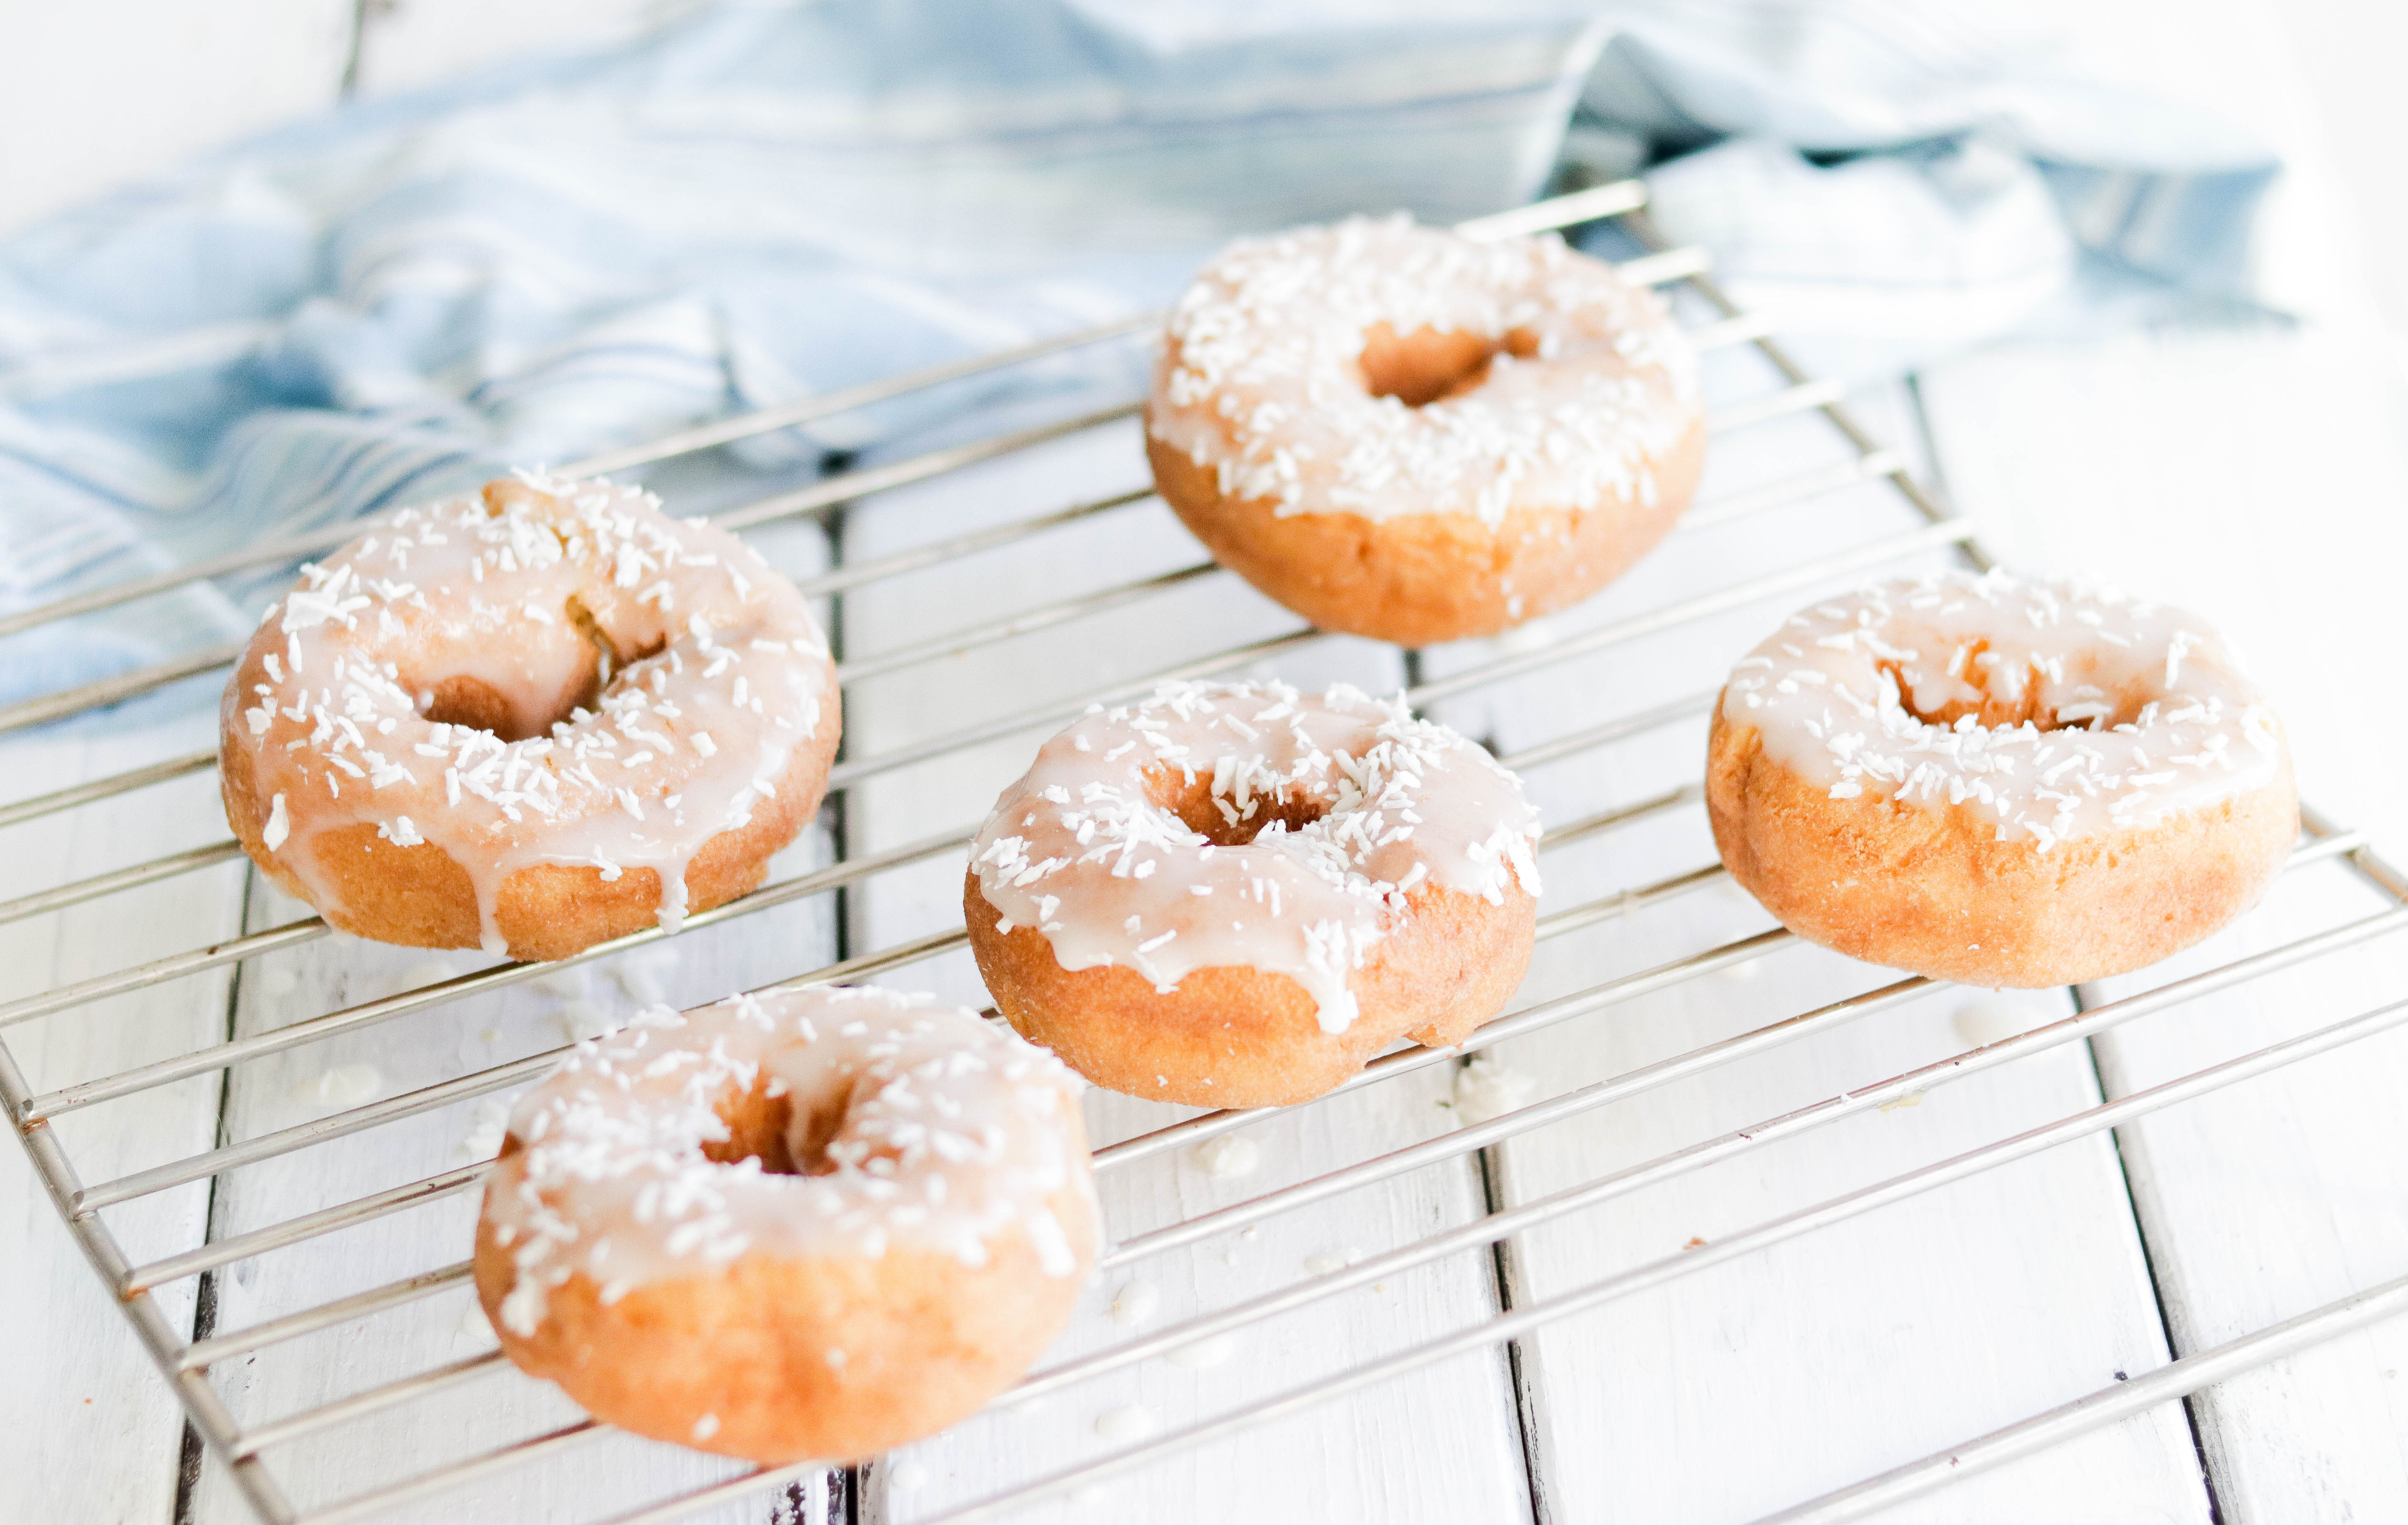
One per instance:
(762,202)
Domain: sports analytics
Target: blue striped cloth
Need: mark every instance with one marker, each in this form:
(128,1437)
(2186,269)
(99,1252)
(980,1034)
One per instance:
(760,203)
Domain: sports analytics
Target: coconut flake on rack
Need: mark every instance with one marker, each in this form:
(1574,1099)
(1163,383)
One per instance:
(1263,380)
(1083,849)
(954,1133)
(2052,709)
(499,593)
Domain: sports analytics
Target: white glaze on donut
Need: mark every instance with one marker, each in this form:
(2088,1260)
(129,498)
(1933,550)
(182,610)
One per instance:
(682,744)
(2137,713)
(953,1131)
(1081,849)
(1262,377)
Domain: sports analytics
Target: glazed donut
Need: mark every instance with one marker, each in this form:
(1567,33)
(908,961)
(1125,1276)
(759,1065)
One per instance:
(1399,432)
(528,721)
(1234,895)
(811,1222)
(2000,782)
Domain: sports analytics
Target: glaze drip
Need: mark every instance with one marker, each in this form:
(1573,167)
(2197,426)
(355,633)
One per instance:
(657,676)
(1249,825)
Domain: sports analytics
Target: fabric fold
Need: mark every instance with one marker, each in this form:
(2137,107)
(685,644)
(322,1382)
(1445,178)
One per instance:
(758,204)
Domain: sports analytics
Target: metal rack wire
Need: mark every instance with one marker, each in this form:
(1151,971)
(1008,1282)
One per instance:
(186,1363)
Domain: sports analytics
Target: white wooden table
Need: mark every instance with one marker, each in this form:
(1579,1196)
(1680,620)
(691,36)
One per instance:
(2254,476)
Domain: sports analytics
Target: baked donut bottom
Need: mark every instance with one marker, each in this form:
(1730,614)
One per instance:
(1932,891)
(420,897)
(1424,578)
(778,1360)
(1240,1037)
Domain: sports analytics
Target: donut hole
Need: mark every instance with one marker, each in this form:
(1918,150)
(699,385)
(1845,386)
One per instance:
(1430,364)
(1218,819)
(576,673)
(2000,698)
(465,699)
(462,700)
(786,1139)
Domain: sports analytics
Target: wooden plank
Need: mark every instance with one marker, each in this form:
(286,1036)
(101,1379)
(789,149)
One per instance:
(2253,478)
(80,1385)
(1440,1446)
(423,1048)
(1711,1398)
(282,1089)
(2256,478)
(2270,1198)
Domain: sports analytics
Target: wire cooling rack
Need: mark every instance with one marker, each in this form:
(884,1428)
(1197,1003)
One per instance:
(194,1366)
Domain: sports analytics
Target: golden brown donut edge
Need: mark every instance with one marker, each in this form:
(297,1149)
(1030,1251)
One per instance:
(1420,579)
(1934,893)
(1239,1037)
(925,1340)
(419,897)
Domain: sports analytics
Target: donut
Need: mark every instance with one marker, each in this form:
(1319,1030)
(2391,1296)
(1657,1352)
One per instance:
(2002,782)
(807,1223)
(1234,895)
(1401,433)
(529,720)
